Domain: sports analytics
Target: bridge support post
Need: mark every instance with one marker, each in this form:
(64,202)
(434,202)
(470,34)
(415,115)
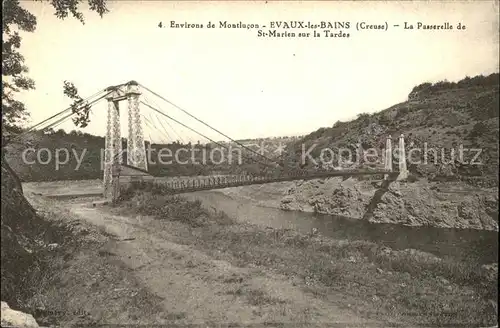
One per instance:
(403,171)
(108,152)
(361,154)
(113,151)
(136,149)
(388,157)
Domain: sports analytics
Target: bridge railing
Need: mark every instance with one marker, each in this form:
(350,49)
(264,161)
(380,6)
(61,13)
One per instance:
(186,184)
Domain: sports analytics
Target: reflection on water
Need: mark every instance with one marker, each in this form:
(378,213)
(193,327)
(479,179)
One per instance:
(467,244)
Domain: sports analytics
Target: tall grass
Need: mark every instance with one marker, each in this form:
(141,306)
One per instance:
(151,199)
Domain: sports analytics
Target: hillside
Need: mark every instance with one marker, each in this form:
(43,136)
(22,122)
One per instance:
(441,116)
(443,190)
(86,155)
(39,148)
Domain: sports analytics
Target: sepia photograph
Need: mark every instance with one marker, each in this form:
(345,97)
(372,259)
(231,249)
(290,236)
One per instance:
(250,163)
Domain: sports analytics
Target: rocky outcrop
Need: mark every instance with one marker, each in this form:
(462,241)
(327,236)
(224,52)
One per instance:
(416,204)
(331,196)
(19,226)
(419,205)
(13,318)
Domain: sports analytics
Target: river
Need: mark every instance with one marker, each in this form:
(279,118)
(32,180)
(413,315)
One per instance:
(478,246)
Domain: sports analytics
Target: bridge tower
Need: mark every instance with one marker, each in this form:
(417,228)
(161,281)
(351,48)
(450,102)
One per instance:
(388,156)
(136,149)
(360,153)
(403,170)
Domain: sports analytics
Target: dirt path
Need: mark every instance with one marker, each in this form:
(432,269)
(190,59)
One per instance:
(196,288)
(205,289)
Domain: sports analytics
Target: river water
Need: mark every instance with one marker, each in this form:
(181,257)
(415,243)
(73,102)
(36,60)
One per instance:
(462,244)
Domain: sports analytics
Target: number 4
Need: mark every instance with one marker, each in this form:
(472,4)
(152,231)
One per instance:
(160,25)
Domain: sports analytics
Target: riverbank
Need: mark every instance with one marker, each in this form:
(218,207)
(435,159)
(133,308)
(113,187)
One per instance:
(419,203)
(401,287)
(183,264)
(140,269)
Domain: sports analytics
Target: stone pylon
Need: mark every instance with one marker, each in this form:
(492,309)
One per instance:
(388,157)
(136,149)
(403,170)
(113,145)
(361,153)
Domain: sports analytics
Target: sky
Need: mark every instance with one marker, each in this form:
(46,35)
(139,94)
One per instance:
(248,86)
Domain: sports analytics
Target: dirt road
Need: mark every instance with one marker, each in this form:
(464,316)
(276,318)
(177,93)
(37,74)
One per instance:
(194,286)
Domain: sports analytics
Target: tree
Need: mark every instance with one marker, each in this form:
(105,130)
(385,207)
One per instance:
(81,113)
(15,19)
(363,118)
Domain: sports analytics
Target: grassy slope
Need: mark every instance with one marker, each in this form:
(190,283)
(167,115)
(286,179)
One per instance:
(47,259)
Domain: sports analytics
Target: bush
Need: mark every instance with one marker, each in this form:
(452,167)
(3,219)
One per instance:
(363,118)
(479,80)
(412,178)
(384,120)
(401,112)
(147,200)
(478,129)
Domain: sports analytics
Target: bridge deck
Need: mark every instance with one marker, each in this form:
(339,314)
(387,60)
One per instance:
(221,182)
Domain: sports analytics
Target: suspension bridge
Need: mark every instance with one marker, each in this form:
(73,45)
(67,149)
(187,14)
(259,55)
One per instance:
(118,175)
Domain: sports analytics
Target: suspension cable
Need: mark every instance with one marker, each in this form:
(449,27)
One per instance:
(60,120)
(77,111)
(61,112)
(151,126)
(159,121)
(238,143)
(176,133)
(148,125)
(109,90)
(165,133)
(218,143)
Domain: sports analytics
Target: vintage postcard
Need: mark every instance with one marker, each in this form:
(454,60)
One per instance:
(250,163)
